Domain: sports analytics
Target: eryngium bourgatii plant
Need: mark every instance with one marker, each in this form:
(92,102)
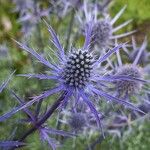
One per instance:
(76,73)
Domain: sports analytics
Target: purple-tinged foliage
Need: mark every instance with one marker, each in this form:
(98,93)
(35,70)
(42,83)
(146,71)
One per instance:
(75,73)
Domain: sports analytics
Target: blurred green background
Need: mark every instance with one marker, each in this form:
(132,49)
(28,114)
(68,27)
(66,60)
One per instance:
(16,59)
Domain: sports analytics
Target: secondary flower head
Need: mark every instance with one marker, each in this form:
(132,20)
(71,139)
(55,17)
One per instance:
(77,121)
(76,74)
(129,87)
(103,28)
(102,31)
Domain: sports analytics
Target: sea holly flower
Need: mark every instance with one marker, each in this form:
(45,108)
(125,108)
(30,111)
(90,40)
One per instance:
(103,28)
(129,88)
(78,117)
(76,74)
(76,120)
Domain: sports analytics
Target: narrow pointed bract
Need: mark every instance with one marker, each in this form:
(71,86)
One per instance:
(4,84)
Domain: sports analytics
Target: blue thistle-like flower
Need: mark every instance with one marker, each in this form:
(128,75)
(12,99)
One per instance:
(76,74)
(75,117)
(77,121)
(129,88)
(103,28)
(102,31)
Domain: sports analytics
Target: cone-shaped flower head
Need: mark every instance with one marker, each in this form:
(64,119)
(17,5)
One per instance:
(78,69)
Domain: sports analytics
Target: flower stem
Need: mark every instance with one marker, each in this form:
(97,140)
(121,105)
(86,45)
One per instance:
(43,119)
